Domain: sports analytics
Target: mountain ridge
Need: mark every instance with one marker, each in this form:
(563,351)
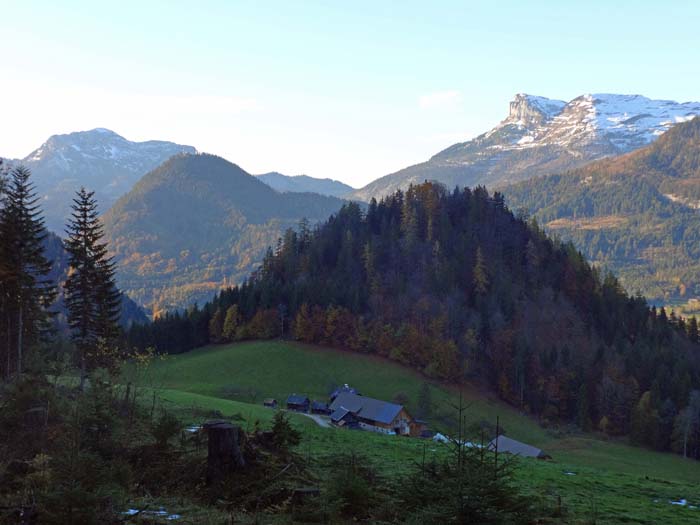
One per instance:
(305,183)
(99,159)
(541,136)
(636,214)
(196,223)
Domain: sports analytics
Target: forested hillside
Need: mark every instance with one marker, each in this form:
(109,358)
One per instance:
(453,284)
(196,224)
(636,215)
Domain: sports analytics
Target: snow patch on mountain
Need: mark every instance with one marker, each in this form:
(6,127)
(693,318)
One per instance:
(620,122)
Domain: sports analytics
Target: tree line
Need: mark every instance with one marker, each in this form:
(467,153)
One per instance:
(457,286)
(28,291)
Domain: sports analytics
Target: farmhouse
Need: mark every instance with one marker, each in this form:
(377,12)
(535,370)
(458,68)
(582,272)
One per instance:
(298,402)
(270,403)
(511,446)
(374,415)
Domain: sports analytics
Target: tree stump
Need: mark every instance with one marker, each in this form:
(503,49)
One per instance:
(224,450)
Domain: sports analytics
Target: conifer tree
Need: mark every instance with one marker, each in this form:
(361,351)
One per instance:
(481,280)
(692,328)
(5,324)
(92,298)
(27,291)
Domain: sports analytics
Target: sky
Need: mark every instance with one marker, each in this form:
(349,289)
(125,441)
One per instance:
(346,90)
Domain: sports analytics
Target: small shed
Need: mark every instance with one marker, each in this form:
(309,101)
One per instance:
(270,402)
(298,403)
(319,407)
(511,446)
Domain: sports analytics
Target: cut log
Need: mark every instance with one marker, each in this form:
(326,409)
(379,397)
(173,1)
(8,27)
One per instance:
(224,453)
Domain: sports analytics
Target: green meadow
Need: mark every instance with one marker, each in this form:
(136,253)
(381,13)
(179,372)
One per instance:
(588,480)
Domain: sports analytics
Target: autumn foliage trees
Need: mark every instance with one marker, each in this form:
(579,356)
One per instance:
(455,285)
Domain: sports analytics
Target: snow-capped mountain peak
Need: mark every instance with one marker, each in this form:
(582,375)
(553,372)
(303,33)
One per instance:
(617,123)
(540,136)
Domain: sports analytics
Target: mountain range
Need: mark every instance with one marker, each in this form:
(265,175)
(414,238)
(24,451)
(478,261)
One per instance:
(197,223)
(542,136)
(636,214)
(304,183)
(98,159)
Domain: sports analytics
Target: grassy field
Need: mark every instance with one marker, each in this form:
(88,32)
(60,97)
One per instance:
(597,481)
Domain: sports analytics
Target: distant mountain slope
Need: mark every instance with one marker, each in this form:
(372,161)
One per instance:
(196,223)
(542,136)
(304,183)
(100,160)
(637,214)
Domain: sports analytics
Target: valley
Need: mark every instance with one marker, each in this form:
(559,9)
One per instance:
(316,263)
(605,480)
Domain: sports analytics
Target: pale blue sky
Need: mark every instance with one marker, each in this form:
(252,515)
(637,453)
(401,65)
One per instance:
(348,90)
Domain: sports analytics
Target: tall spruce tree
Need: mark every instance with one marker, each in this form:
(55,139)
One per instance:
(27,291)
(92,298)
(6,342)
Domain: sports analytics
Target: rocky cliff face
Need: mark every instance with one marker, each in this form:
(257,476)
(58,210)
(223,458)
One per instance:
(542,136)
(532,111)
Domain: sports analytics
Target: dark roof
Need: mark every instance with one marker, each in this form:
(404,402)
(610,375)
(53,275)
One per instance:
(295,399)
(345,389)
(269,400)
(339,414)
(511,446)
(367,408)
(319,405)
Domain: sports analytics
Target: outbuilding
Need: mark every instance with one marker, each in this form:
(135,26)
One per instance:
(511,446)
(320,407)
(270,403)
(298,403)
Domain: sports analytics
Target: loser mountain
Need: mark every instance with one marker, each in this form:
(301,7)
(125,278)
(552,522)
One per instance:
(304,183)
(638,214)
(453,284)
(100,160)
(197,223)
(542,136)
